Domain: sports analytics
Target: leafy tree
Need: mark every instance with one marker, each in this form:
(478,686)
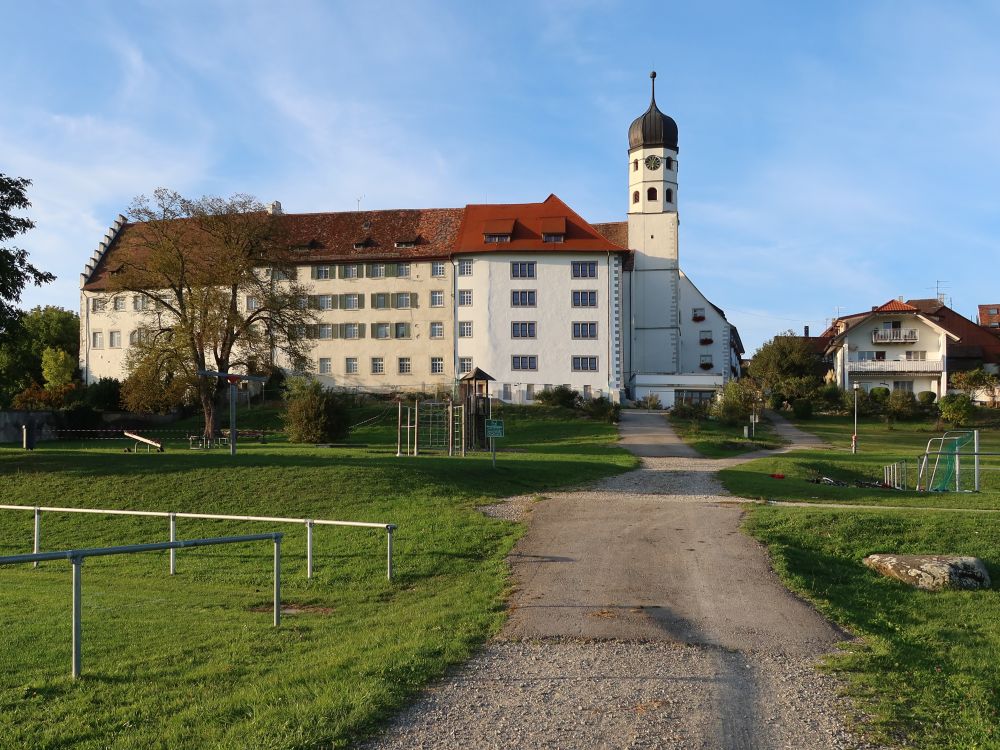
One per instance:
(313,414)
(900,405)
(22,344)
(54,327)
(735,403)
(197,261)
(15,270)
(57,368)
(105,394)
(957,408)
(975,382)
(787,364)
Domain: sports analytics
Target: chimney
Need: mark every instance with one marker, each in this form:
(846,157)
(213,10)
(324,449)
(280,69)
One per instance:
(274,208)
(806,332)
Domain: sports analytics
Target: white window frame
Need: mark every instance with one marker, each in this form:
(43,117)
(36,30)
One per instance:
(437,298)
(465,365)
(351,365)
(323,273)
(465,329)
(324,366)
(437,268)
(437,365)
(114,339)
(380,328)
(403,365)
(465,267)
(465,298)
(437,329)
(324,331)
(403,270)
(97,340)
(378,365)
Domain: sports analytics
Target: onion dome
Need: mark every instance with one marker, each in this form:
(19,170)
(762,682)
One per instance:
(653,128)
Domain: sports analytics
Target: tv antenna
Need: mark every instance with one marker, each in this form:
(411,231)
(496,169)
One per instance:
(359,199)
(939,290)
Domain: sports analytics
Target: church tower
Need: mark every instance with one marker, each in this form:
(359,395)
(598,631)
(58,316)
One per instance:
(652,235)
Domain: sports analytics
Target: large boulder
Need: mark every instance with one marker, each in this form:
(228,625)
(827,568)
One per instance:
(932,572)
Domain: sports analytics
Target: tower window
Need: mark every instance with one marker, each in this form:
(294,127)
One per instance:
(670,195)
(651,194)
(635,197)
(635,165)
(670,162)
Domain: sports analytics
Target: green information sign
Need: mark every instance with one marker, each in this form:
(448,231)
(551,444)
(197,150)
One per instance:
(494,428)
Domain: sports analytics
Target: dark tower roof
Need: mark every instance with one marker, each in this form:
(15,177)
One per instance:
(653,128)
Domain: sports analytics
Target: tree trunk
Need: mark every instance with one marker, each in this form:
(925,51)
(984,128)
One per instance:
(208,408)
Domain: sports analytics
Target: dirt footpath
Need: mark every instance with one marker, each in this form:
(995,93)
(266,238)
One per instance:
(641,618)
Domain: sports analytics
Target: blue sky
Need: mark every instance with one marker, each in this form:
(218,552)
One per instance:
(832,155)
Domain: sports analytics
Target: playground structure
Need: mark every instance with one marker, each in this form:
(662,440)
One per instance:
(431,427)
(950,463)
(140,440)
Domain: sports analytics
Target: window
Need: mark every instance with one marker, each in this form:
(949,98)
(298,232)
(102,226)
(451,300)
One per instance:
(252,304)
(669,195)
(351,365)
(694,397)
(465,329)
(322,272)
(352,301)
(402,300)
(585,330)
(403,365)
(380,301)
(381,330)
(529,392)
(97,340)
(495,238)
(376,271)
(916,356)
(325,367)
(464,297)
(97,304)
(323,301)
(522,298)
(870,356)
(119,303)
(115,339)
(635,165)
(351,331)
(378,365)
(437,268)
(992,311)
(437,299)
(134,337)
(705,337)
(524,362)
(522,270)
(351,271)
(403,269)
(464,365)
(705,359)
(697,313)
(584,364)
(584,298)
(302,302)
(437,365)
(402,330)
(140,303)
(437,330)
(635,197)
(465,267)
(584,269)
(524,329)
(283,274)
(902,385)
(324,331)
(651,194)
(553,237)
(505,392)
(669,162)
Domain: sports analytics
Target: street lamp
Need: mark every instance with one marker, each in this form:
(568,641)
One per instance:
(854,437)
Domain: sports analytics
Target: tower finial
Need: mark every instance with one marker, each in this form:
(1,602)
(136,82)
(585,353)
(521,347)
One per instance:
(652,78)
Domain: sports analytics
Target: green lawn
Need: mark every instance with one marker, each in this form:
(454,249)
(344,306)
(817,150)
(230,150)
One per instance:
(186,661)
(928,667)
(713,439)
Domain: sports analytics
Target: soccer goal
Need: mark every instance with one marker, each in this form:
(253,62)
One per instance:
(951,463)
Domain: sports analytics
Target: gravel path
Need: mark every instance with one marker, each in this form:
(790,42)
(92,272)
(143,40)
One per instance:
(641,618)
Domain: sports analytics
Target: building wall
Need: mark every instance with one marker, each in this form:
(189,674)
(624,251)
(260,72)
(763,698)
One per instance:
(693,352)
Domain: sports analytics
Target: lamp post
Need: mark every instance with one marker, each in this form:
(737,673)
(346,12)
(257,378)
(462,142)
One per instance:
(854,437)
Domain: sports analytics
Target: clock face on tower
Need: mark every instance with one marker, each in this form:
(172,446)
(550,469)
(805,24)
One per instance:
(653,162)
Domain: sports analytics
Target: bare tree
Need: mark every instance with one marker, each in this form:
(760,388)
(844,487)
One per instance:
(219,286)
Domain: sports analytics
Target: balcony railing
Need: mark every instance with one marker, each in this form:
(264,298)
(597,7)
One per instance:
(895,336)
(894,365)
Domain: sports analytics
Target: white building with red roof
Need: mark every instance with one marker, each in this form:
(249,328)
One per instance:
(531,293)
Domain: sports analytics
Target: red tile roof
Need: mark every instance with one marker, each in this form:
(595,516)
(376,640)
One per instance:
(525,222)
(615,231)
(895,305)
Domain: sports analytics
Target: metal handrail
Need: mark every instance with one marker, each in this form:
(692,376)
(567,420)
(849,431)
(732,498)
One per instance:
(77,556)
(308,522)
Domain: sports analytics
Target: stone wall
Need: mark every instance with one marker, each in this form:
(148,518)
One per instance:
(43,423)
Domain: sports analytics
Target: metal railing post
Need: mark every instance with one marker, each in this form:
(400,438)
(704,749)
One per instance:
(975,460)
(399,429)
(388,545)
(37,546)
(77,630)
(173,538)
(309,549)
(416,428)
(277,580)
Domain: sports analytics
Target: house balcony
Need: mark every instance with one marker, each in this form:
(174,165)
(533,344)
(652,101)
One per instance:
(895,365)
(895,336)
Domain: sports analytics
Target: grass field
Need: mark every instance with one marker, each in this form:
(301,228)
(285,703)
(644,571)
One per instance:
(188,661)
(713,439)
(928,669)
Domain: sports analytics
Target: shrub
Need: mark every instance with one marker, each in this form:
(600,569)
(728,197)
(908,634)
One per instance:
(901,405)
(879,395)
(649,401)
(104,395)
(733,404)
(831,396)
(36,398)
(561,395)
(776,401)
(926,398)
(683,410)
(603,409)
(312,413)
(957,408)
(802,408)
